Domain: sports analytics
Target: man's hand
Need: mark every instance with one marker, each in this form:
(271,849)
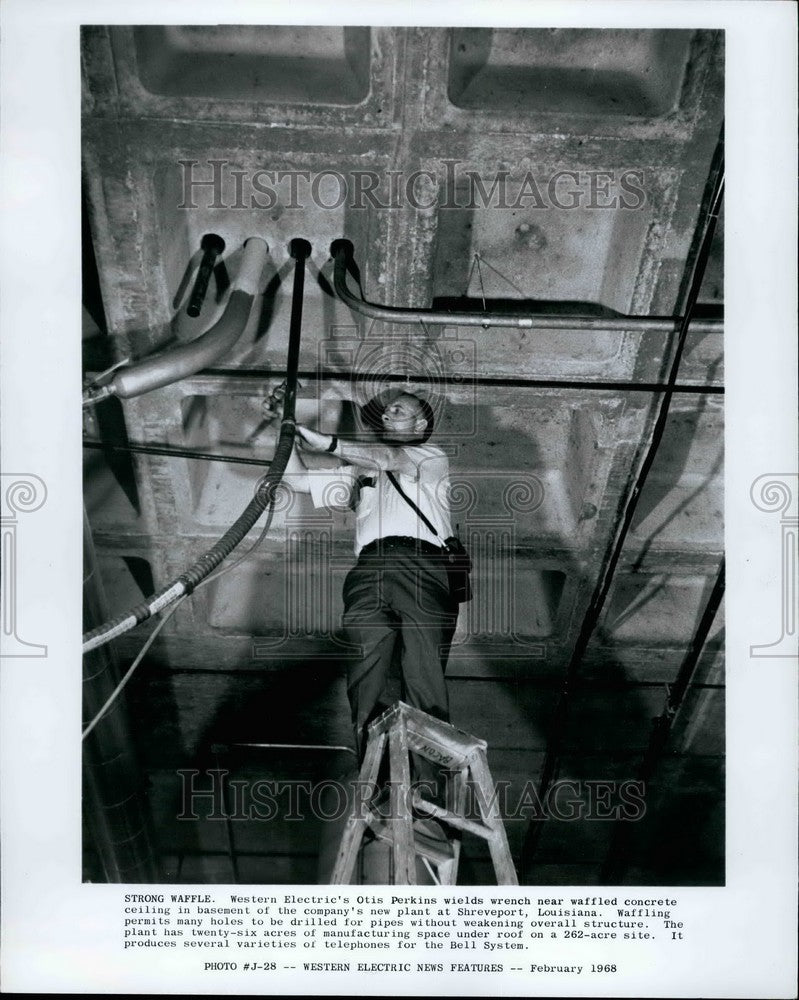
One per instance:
(313,439)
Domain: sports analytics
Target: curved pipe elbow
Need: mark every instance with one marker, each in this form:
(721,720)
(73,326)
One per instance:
(154,373)
(164,369)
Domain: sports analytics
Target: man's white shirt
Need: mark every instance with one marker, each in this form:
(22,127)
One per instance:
(380,510)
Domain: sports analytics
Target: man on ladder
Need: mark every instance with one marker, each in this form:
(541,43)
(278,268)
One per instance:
(397,598)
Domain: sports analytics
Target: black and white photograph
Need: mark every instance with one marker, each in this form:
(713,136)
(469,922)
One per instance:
(362,304)
(426,389)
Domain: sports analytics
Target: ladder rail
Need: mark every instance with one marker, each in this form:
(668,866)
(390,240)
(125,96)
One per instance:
(400,730)
(402,853)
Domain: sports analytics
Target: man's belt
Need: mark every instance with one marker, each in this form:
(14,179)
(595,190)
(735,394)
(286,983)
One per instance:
(393,543)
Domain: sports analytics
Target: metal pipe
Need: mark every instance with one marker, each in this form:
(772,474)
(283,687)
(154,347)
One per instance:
(212,246)
(500,381)
(592,684)
(342,253)
(663,725)
(705,230)
(171,366)
(296,746)
(152,449)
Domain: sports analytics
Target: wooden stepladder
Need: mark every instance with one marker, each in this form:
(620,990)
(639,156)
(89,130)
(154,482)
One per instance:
(463,758)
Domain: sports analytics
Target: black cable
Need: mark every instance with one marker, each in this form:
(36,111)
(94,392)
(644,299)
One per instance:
(458,380)
(171,452)
(171,610)
(209,560)
(605,578)
(342,252)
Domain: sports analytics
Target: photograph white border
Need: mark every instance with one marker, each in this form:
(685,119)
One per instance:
(61,935)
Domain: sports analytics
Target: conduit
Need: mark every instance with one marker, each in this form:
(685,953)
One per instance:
(464,381)
(342,253)
(264,495)
(705,231)
(173,365)
(170,452)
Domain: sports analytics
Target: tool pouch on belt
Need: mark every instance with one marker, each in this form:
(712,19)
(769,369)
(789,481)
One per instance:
(459,567)
(458,564)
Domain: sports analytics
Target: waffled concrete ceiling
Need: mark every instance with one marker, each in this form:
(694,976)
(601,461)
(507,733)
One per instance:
(528,170)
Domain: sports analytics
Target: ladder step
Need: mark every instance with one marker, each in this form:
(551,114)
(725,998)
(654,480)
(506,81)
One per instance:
(453,819)
(408,730)
(437,851)
(438,741)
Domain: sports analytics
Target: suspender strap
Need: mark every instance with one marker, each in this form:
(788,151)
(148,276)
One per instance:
(407,499)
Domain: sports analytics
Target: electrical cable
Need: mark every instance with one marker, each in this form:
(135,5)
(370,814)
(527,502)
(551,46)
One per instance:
(613,553)
(165,367)
(169,452)
(300,250)
(467,381)
(245,555)
(129,673)
(140,656)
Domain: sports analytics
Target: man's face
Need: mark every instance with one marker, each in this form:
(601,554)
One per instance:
(403,419)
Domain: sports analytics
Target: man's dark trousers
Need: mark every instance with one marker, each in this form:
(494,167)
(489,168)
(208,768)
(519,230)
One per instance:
(399,596)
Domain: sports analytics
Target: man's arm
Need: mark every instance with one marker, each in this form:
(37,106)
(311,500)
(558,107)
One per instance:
(328,487)
(296,474)
(375,457)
